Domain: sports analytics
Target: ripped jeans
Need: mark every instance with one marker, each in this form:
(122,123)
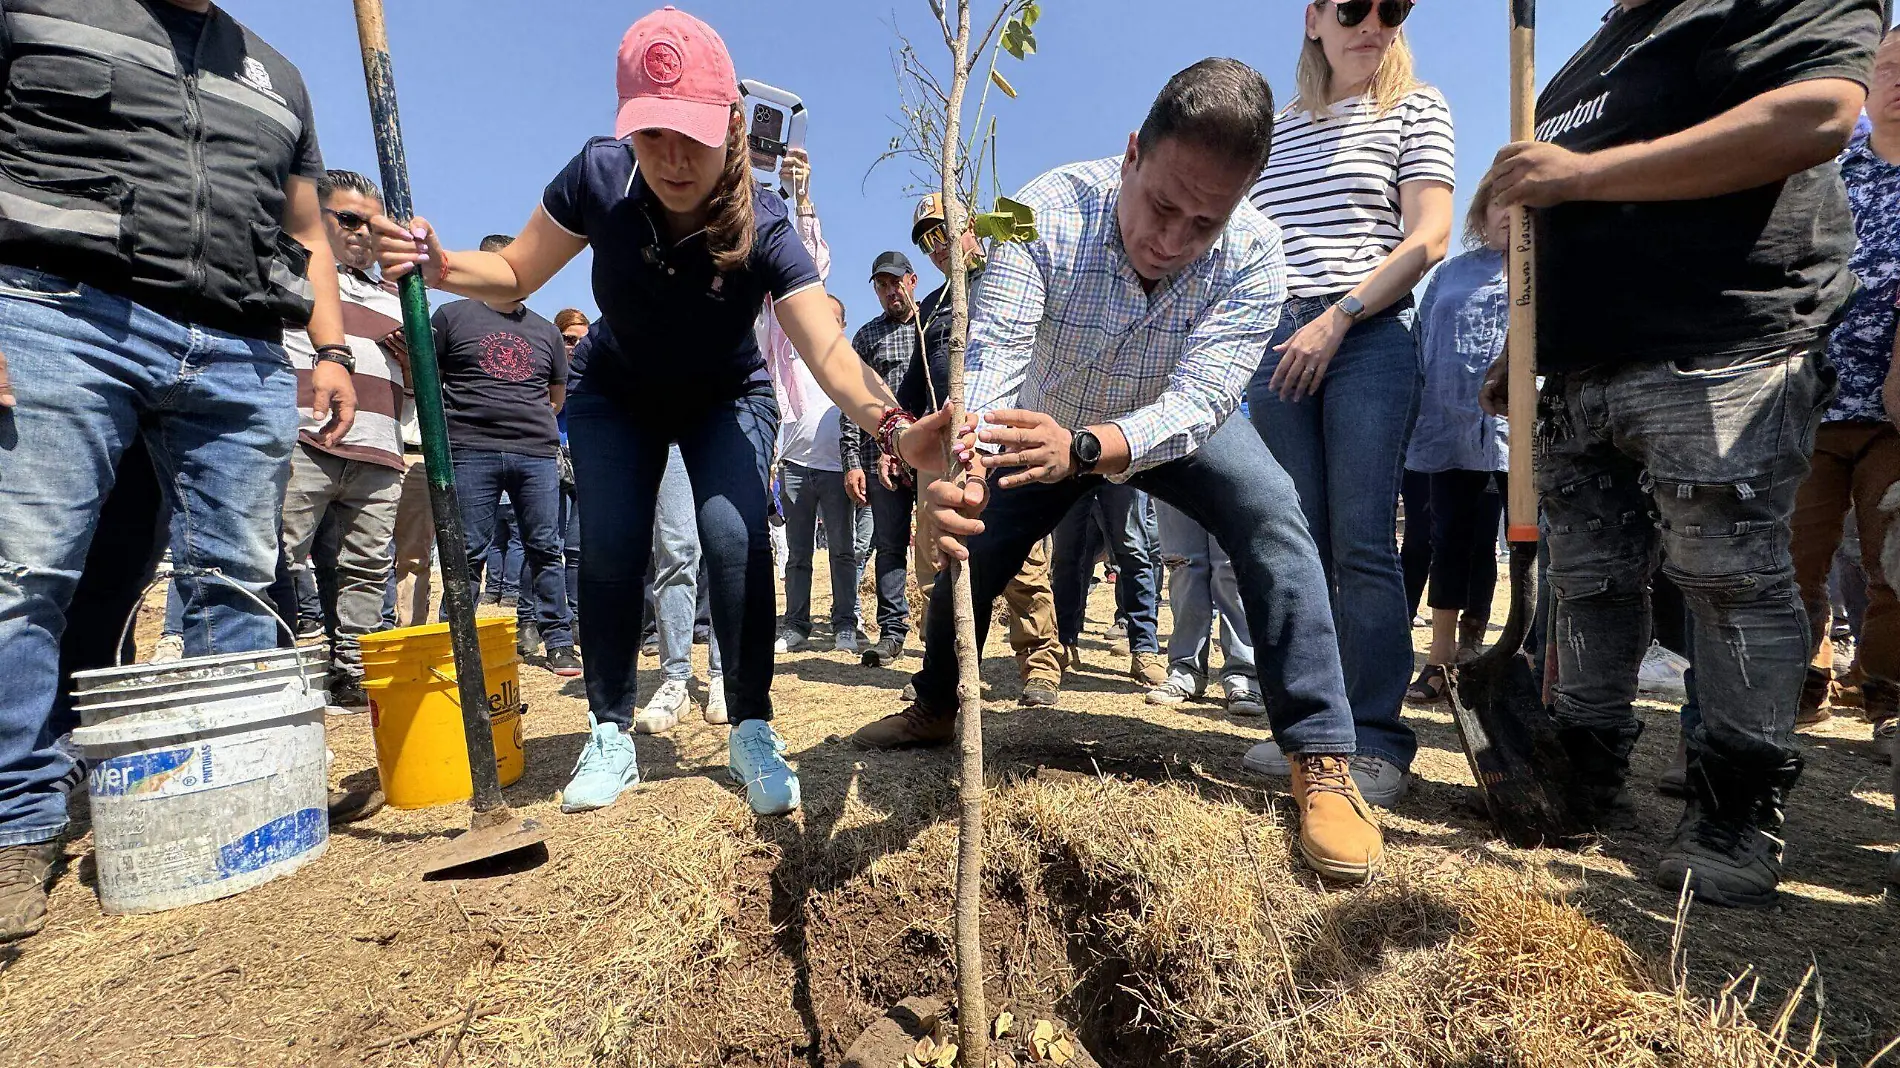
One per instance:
(1700,458)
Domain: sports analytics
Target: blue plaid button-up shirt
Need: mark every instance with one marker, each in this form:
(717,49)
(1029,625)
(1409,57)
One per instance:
(1062,324)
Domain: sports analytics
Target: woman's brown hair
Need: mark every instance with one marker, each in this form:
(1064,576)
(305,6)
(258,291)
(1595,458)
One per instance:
(730,229)
(1477,217)
(567,317)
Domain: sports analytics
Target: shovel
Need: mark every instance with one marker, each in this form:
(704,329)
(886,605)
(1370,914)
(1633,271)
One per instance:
(493,829)
(1497,701)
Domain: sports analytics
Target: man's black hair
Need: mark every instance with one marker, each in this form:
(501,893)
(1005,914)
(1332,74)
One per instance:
(349,182)
(496,242)
(1221,105)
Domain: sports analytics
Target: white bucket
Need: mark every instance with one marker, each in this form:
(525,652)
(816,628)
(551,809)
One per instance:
(203,790)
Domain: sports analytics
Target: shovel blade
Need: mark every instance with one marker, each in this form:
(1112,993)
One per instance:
(1507,732)
(490,835)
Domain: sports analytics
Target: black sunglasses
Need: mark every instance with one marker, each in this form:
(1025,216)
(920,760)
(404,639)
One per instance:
(1392,13)
(349,220)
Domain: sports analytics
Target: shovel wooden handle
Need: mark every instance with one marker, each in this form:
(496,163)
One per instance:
(1522,269)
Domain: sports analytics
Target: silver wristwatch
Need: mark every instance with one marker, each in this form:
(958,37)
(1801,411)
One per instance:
(1351,307)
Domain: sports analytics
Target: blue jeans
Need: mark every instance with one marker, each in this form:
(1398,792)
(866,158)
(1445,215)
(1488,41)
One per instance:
(1345,451)
(1201,584)
(890,540)
(1231,486)
(533,485)
(218,413)
(571,550)
(620,456)
(806,494)
(676,574)
(503,564)
(1133,545)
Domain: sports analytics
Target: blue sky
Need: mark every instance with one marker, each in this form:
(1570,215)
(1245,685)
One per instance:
(496,95)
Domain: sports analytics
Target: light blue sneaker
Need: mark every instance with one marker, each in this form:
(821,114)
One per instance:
(605,770)
(757,762)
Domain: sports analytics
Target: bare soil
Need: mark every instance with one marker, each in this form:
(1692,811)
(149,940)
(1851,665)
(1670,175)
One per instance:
(676,928)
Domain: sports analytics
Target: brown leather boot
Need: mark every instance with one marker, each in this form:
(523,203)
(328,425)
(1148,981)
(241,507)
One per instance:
(1815,690)
(916,726)
(1148,669)
(1338,837)
(24,870)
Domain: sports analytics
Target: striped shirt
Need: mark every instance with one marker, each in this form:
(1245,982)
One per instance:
(1333,185)
(372,313)
(1062,325)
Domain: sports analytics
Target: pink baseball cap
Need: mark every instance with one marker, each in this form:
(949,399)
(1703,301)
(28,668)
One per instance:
(675,74)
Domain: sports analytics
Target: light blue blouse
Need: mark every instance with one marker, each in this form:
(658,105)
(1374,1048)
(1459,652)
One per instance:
(1462,323)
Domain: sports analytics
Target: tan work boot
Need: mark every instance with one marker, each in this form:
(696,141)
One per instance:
(24,870)
(1816,689)
(915,726)
(1338,838)
(1148,669)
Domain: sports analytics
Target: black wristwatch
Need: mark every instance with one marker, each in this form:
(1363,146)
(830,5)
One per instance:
(1085,451)
(337,354)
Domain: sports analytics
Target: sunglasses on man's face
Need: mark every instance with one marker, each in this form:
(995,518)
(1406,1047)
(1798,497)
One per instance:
(349,220)
(933,240)
(1392,13)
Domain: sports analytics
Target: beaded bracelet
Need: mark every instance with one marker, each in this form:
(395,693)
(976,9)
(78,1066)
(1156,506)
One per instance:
(895,419)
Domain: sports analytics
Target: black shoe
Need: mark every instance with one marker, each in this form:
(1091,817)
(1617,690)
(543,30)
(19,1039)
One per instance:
(564,662)
(348,806)
(528,640)
(1600,760)
(347,692)
(309,629)
(888,650)
(509,600)
(1728,846)
(490,599)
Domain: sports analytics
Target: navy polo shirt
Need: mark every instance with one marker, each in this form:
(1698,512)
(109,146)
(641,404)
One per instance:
(676,323)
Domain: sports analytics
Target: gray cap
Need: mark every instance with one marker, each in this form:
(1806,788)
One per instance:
(895,264)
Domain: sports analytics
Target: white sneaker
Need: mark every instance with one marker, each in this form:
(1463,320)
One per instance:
(1662,674)
(1267,759)
(1178,688)
(170,649)
(715,712)
(1380,781)
(662,713)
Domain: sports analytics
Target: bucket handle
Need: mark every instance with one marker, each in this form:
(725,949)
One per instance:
(166,574)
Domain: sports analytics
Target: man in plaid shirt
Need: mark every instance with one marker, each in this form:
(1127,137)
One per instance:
(1116,346)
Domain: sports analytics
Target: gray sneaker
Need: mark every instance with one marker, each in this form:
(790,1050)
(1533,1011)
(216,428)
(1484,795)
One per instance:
(1266,759)
(847,641)
(791,641)
(1381,782)
(1243,699)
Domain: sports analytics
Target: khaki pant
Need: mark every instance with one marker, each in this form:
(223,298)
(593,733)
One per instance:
(415,537)
(1031,601)
(1853,465)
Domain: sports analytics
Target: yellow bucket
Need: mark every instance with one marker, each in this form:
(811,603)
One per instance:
(416,712)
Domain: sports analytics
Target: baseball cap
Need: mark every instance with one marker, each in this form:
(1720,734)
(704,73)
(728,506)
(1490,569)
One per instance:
(675,74)
(929,213)
(895,264)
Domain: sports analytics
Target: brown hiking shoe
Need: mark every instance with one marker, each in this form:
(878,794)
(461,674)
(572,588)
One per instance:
(915,726)
(1815,691)
(1148,669)
(1338,837)
(24,870)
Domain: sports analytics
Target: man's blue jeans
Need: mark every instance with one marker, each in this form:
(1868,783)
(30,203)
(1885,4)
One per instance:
(1231,486)
(1345,451)
(620,454)
(890,540)
(533,486)
(218,413)
(1201,584)
(806,494)
(502,569)
(1133,545)
(676,574)
(571,551)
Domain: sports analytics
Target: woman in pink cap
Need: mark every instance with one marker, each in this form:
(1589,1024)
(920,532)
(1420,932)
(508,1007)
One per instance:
(687,251)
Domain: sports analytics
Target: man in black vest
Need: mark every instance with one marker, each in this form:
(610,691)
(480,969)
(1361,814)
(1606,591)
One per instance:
(159,225)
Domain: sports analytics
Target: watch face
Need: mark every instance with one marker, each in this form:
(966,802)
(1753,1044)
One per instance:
(1088,448)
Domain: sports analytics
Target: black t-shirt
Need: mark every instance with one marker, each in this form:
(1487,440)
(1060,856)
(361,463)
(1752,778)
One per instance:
(1754,270)
(186,27)
(496,369)
(679,326)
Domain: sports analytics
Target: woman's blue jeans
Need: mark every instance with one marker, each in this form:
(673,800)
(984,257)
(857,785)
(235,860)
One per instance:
(1345,451)
(620,455)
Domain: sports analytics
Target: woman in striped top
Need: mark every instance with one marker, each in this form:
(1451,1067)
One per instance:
(1360,185)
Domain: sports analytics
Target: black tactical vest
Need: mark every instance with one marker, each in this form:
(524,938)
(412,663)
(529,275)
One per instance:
(121,171)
